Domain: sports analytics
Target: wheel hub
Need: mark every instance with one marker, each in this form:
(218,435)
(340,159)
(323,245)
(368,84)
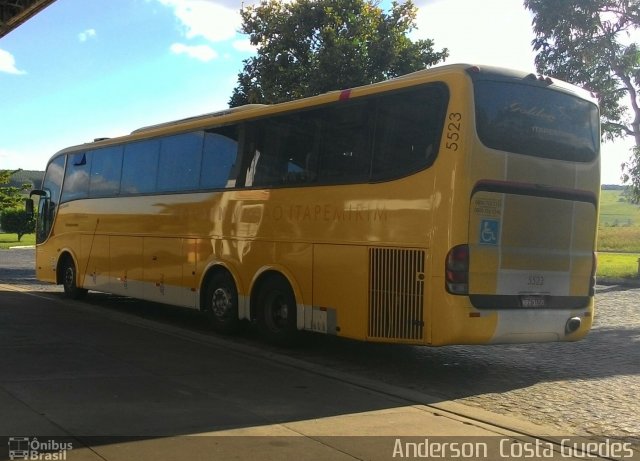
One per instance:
(221,303)
(69,277)
(279,310)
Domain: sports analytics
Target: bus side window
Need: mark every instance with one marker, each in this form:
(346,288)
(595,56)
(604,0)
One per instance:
(266,163)
(269,160)
(249,147)
(345,155)
(408,131)
(179,164)
(251,170)
(106,169)
(76,178)
(301,149)
(140,167)
(219,158)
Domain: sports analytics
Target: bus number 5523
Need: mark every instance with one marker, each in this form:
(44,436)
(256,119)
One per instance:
(453,130)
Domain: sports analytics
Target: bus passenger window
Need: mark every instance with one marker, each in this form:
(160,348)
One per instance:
(106,168)
(219,158)
(345,154)
(76,178)
(408,131)
(251,170)
(301,148)
(140,167)
(268,165)
(179,165)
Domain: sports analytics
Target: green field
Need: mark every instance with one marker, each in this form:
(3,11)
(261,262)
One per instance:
(618,236)
(11,240)
(615,211)
(618,265)
(619,239)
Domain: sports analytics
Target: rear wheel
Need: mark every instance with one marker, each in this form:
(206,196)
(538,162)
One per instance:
(69,278)
(277,311)
(221,303)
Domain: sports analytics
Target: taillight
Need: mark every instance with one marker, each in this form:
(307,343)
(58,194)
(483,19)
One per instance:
(594,269)
(457,270)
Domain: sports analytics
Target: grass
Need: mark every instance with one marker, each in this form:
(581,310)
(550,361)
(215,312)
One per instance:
(11,240)
(619,239)
(615,211)
(618,236)
(618,265)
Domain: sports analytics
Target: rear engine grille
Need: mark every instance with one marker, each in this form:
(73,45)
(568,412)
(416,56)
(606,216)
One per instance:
(396,293)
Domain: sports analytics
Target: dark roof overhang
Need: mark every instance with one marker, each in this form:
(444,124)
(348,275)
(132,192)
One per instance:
(15,12)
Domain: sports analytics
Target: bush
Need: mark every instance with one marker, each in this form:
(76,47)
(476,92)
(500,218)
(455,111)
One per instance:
(17,222)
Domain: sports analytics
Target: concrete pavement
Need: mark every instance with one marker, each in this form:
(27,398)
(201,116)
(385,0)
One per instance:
(116,387)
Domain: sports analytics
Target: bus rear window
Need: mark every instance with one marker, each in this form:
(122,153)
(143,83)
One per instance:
(537,121)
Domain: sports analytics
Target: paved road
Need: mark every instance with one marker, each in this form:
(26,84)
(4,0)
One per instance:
(591,387)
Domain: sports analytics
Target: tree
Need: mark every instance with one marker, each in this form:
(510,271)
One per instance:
(308,47)
(17,222)
(588,42)
(10,196)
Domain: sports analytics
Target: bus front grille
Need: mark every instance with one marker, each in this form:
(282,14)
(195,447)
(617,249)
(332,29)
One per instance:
(396,293)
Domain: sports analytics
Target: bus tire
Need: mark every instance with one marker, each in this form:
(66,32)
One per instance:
(69,280)
(277,311)
(221,303)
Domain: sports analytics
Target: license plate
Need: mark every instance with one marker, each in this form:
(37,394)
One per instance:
(533,301)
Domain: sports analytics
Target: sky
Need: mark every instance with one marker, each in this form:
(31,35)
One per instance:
(79,71)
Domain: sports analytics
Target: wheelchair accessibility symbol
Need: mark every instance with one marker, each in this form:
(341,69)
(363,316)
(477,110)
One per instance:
(489,232)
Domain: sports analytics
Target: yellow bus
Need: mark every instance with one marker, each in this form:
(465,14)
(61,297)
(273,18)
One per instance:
(455,205)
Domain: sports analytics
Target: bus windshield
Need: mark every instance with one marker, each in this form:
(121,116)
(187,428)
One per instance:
(533,120)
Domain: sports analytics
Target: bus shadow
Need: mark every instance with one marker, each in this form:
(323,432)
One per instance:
(66,369)
(97,376)
(442,372)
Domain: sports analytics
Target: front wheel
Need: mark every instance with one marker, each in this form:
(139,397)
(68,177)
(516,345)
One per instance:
(221,303)
(69,278)
(277,311)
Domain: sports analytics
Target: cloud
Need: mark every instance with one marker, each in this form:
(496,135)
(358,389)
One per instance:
(244,46)
(8,64)
(86,35)
(203,53)
(11,159)
(211,19)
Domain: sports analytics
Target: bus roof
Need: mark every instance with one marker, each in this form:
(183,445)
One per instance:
(196,118)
